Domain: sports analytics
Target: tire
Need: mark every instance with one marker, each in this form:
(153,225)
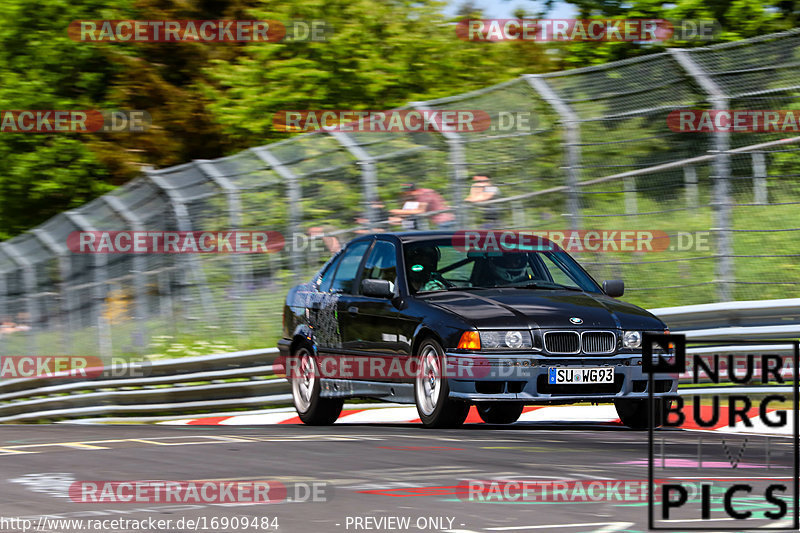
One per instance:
(312,409)
(635,413)
(500,412)
(431,392)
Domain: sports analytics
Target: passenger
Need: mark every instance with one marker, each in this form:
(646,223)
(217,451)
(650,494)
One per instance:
(508,269)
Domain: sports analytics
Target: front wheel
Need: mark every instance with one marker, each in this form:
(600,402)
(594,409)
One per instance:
(500,412)
(304,376)
(431,392)
(635,413)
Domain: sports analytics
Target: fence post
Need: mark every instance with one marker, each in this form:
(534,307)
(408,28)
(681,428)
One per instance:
(64,269)
(238,269)
(458,161)
(99,287)
(721,200)
(139,266)
(294,197)
(760,178)
(3,306)
(184,223)
(571,123)
(29,282)
(368,174)
(690,185)
(631,205)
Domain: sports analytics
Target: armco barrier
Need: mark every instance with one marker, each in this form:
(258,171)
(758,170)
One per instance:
(246,379)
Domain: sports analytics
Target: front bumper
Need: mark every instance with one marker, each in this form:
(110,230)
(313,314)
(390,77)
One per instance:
(524,378)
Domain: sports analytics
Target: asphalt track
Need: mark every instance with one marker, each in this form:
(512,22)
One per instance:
(372,471)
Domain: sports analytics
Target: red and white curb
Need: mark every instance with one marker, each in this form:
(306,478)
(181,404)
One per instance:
(605,415)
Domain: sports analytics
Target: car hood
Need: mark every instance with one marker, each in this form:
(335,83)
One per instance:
(540,308)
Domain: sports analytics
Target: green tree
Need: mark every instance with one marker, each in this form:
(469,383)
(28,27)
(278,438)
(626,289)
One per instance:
(43,68)
(211,99)
(738,19)
(381,54)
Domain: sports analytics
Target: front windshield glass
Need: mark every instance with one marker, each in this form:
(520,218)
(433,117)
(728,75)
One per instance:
(439,265)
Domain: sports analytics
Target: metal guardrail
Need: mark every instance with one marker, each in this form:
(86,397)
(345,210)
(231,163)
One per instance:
(228,381)
(246,379)
(728,314)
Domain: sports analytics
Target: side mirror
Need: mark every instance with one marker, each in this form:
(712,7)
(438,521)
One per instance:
(614,287)
(377,288)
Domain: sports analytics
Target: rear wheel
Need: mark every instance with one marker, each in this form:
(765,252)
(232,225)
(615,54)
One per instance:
(304,377)
(500,412)
(431,392)
(635,413)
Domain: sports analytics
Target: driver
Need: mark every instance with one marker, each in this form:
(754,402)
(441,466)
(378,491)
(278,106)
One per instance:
(421,263)
(509,268)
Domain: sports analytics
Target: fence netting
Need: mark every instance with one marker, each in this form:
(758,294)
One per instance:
(585,149)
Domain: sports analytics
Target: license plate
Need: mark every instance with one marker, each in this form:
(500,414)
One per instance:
(578,376)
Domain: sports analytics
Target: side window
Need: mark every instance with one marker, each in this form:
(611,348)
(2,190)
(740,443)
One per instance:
(381,263)
(348,267)
(326,278)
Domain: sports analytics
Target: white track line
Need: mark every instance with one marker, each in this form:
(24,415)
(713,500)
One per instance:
(381,415)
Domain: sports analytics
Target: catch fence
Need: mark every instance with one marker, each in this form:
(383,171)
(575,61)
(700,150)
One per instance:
(597,153)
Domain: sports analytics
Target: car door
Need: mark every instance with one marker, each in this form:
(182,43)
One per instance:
(372,320)
(331,336)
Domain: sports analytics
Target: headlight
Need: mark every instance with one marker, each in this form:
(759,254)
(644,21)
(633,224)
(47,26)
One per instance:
(513,339)
(632,339)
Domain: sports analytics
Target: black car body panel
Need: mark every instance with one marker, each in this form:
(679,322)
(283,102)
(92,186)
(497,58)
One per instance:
(346,324)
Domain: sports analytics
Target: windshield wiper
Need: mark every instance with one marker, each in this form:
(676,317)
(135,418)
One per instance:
(539,285)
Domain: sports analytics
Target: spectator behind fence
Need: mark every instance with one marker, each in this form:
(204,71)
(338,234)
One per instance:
(417,201)
(331,242)
(483,190)
(8,326)
(380,218)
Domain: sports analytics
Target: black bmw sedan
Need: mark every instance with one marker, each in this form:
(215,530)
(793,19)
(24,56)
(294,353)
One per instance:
(419,317)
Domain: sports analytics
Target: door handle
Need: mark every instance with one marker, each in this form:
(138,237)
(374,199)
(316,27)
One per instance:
(352,309)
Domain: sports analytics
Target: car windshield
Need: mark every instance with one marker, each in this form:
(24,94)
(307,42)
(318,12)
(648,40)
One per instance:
(439,265)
